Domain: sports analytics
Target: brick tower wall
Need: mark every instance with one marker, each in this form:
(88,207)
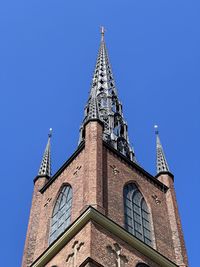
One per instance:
(95,242)
(33,225)
(175,221)
(97,176)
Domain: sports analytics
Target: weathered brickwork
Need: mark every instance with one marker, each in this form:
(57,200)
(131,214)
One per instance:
(97,176)
(93,178)
(65,257)
(68,176)
(160,222)
(84,174)
(96,241)
(102,240)
(33,225)
(175,222)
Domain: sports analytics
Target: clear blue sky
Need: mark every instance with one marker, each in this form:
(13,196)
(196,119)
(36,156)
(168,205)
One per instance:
(47,55)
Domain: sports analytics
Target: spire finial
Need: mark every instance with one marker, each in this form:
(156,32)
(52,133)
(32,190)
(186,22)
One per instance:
(161,162)
(102,33)
(50,132)
(156,129)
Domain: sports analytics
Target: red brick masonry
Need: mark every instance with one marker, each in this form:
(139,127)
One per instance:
(97,175)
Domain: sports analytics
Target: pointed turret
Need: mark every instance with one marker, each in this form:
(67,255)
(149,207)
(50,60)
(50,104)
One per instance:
(40,180)
(103,105)
(161,162)
(45,167)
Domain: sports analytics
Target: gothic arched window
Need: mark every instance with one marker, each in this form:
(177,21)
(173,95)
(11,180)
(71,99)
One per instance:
(61,213)
(137,219)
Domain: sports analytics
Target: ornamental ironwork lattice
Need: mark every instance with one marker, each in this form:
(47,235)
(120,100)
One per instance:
(61,213)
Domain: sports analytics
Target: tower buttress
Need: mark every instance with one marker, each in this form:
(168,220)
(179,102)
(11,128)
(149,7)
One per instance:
(40,180)
(167,178)
(93,170)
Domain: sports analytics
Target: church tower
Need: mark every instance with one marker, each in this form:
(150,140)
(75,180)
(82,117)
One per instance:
(102,209)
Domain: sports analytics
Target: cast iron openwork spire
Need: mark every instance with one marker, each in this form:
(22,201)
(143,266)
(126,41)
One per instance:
(45,167)
(103,104)
(161,165)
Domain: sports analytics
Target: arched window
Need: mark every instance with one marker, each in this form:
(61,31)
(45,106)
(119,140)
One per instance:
(61,213)
(137,219)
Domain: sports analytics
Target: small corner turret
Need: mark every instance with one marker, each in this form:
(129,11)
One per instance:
(161,162)
(45,166)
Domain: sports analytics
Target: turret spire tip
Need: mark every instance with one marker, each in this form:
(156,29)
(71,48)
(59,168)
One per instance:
(50,133)
(156,129)
(161,163)
(102,33)
(45,167)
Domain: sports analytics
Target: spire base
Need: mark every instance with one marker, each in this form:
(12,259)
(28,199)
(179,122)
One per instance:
(164,173)
(94,119)
(41,176)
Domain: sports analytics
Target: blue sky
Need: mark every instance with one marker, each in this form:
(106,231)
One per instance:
(47,55)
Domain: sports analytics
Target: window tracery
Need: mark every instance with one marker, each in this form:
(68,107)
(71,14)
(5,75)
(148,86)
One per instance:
(137,219)
(61,213)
